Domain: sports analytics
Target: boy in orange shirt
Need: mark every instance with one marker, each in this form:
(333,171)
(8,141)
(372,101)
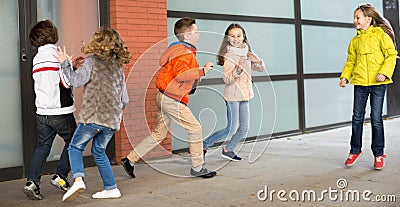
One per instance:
(178,77)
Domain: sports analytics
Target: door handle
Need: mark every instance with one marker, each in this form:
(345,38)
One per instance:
(23,55)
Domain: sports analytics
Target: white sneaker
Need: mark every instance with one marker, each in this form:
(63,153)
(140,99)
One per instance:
(114,193)
(74,190)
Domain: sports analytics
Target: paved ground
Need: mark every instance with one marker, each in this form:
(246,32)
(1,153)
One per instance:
(286,167)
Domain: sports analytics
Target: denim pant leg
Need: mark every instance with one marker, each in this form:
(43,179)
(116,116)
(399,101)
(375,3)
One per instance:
(65,126)
(99,145)
(244,122)
(377,95)
(360,101)
(46,135)
(222,133)
(83,134)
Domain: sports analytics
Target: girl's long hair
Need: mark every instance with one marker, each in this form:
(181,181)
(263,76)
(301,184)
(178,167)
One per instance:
(377,20)
(223,49)
(107,44)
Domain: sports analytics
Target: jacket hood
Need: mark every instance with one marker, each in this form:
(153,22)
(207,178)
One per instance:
(176,49)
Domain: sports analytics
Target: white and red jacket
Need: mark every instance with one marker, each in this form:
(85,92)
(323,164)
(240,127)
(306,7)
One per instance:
(54,96)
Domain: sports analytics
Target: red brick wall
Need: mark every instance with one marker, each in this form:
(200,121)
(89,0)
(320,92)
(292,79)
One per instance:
(142,24)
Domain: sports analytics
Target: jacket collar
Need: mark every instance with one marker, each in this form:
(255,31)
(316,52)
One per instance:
(47,47)
(371,29)
(176,49)
(187,45)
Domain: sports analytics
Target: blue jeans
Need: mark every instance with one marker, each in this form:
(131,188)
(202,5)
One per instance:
(238,116)
(376,95)
(47,128)
(101,136)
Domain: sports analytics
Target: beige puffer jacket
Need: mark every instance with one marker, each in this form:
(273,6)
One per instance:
(238,87)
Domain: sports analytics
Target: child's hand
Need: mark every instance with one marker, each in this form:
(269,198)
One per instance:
(62,55)
(343,82)
(242,61)
(208,66)
(380,78)
(253,57)
(77,62)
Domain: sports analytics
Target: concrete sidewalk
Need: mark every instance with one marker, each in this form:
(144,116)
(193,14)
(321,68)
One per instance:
(299,164)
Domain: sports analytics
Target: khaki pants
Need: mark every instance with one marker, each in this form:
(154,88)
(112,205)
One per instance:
(170,109)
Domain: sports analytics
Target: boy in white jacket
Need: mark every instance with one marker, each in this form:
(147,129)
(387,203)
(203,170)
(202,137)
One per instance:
(55,107)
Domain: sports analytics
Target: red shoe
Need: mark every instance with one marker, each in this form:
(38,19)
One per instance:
(379,163)
(352,159)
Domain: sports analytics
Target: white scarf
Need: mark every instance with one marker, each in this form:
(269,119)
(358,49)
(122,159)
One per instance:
(239,51)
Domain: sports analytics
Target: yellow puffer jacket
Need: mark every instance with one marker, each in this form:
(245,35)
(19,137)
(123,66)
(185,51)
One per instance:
(371,52)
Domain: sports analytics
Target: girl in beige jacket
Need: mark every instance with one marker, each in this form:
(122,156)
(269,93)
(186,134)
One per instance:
(238,60)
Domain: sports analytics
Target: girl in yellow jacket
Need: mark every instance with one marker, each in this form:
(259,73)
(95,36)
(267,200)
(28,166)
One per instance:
(370,64)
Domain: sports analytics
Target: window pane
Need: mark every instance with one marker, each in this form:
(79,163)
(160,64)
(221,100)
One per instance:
(287,109)
(10,90)
(325,48)
(333,11)
(263,109)
(269,8)
(327,103)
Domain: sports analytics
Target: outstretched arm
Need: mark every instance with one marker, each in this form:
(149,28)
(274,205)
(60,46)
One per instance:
(78,77)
